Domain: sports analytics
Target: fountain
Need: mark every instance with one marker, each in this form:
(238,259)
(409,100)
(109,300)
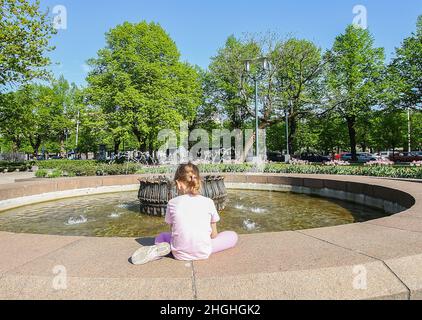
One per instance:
(155,193)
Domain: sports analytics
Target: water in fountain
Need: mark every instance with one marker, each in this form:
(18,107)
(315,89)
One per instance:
(99,215)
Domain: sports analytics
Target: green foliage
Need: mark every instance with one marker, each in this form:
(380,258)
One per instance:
(226,72)
(354,77)
(379,171)
(336,102)
(208,112)
(140,83)
(41,173)
(13,120)
(14,166)
(92,168)
(276,137)
(405,72)
(88,168)
(236,168)
(298,68)
(36,114)
(292,83)
(24,38)
(389,129)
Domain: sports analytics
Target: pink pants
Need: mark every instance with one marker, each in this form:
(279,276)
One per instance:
(224,241)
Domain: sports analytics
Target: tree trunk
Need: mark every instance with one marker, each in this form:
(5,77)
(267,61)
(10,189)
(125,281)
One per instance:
(16,145)
(35,145)
(151,143)
(292,134)
(250,144)
(140,138)
(62,148)
(117,143)
(352,136)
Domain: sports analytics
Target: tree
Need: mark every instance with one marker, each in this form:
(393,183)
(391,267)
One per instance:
(416,128)
(65,97)
(13,119)
(299,70)
(355,69)
(207,116)
(24,38)
(227,69)
(289,85)
(389,129)
(141,84)
(332,133)
(35,113)
(405,72)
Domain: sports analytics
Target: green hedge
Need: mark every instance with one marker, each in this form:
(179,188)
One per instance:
(372,171)
(72,168)
(6,166)
(91,168)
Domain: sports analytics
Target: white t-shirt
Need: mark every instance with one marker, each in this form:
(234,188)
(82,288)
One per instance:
(191,218)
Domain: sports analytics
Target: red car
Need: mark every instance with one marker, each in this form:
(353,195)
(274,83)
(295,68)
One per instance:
(339,156)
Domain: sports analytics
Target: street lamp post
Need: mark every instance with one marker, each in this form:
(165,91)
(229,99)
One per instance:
(256,78)
(287,158)
(77,133)
(409,130)
(256,120)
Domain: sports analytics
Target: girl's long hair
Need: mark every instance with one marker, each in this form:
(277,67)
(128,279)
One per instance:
(189,175)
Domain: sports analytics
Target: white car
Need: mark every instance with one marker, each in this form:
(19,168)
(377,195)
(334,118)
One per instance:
(385,155)
(363,157)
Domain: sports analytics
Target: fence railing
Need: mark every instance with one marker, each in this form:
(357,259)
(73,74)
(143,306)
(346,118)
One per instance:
(13,157)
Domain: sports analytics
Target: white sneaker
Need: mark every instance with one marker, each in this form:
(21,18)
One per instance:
(153,253)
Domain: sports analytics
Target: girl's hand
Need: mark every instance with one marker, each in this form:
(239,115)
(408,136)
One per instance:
(214,233)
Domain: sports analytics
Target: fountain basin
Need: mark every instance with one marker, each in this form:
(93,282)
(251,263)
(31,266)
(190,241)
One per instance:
(155,193)
(310,264)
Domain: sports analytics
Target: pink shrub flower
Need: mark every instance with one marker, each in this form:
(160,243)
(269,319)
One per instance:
(416,164)
(297,162)
(381,162)
(337,163)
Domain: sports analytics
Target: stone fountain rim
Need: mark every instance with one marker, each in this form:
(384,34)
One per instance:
(397,267)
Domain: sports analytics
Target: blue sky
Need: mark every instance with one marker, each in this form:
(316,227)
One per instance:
(200,27)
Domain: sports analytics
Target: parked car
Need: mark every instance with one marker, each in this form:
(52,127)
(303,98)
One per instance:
(275,156)
(339,155)
(405,157)
(362,157)
(314,157)
(387,154)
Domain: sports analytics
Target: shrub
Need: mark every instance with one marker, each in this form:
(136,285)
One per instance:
(42,173)
(6,166)
(56,173)
(69,168)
